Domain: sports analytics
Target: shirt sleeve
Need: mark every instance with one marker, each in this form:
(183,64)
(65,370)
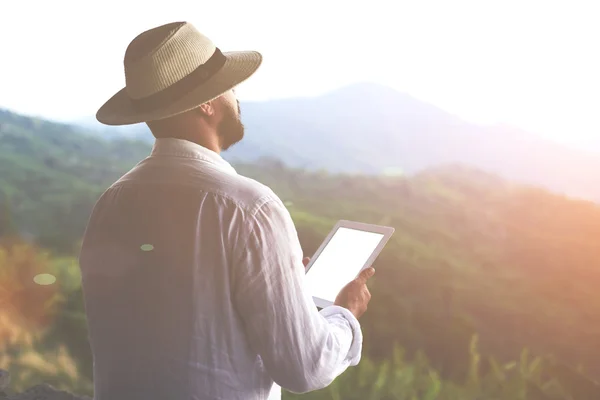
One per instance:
(302,349)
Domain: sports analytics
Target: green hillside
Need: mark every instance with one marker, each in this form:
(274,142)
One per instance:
(510,262)
(51,174)
(480,278)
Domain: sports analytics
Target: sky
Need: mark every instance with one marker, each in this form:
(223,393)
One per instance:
(531,64)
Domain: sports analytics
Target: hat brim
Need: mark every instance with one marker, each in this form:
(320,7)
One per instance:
(239,66)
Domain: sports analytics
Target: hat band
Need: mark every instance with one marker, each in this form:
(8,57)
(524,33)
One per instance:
(176,91)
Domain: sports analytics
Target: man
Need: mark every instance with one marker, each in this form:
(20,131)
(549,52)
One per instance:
(192,274)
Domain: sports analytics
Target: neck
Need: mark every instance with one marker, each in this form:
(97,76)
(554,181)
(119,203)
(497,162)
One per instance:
(210,142)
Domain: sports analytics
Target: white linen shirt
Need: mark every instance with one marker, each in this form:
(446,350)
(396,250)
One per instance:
(193,285)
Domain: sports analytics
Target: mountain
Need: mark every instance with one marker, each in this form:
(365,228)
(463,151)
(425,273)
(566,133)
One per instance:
(373,129)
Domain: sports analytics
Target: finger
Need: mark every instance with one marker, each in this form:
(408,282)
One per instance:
(365,275)
(305,261)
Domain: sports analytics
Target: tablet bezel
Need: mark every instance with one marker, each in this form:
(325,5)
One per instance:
(386,231)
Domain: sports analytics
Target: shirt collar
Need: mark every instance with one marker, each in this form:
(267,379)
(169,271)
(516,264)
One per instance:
(184,148)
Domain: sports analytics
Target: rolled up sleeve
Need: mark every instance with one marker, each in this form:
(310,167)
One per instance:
(302,349)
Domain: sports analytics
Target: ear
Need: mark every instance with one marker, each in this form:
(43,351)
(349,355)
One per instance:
(207,109)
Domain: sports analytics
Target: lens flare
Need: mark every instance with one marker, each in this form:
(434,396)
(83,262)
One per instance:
(44,279)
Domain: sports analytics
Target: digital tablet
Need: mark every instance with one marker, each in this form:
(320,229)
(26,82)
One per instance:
(349,248)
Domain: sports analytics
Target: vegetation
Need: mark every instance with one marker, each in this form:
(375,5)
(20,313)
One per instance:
(486,290)
(50,175)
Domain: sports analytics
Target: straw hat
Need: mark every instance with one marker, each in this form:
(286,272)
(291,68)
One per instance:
(171,69)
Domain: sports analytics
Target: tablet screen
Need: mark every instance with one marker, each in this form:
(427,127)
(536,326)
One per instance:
(340,261)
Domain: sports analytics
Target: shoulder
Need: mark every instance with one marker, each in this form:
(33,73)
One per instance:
(231,190)
(249,194)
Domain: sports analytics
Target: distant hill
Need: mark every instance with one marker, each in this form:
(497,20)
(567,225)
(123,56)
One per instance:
(373,129)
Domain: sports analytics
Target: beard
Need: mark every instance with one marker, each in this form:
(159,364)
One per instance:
(230,129)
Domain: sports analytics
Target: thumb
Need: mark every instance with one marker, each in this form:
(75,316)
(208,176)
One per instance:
(365,275)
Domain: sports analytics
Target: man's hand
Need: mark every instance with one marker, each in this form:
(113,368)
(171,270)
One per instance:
(355,296)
